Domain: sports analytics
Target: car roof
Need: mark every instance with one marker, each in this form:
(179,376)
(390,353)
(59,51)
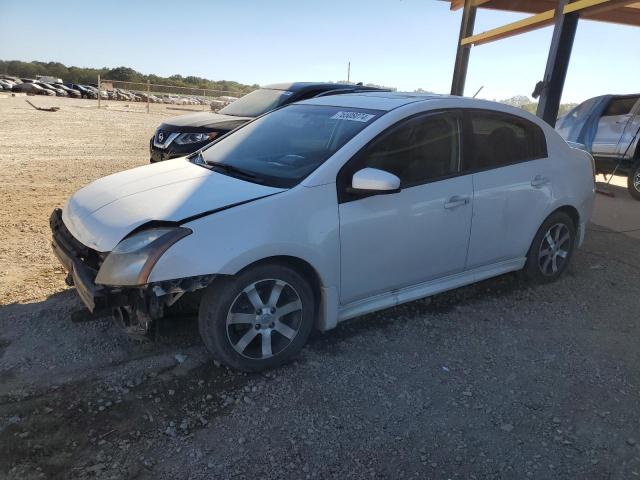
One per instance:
(376,100)
(326,86)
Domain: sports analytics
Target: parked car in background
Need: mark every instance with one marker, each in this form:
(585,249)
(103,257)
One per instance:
(15,80)
(6,84)
(84,92)
(609,127)
(180,136)
(70,91)
(324,210)
(102,93)
(48,79)
(57,91)
(33,89)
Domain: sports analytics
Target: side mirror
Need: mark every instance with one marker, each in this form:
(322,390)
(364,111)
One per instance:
(372,181)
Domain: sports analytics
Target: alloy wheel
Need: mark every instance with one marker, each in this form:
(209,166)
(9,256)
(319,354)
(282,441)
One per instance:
(554,249)
(636,180)
(259,328)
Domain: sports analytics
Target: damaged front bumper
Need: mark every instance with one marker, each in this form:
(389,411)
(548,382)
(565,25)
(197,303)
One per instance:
(135,308)
(82,264)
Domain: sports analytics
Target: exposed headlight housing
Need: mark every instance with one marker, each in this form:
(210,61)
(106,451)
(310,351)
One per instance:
(131,261)
(186,138)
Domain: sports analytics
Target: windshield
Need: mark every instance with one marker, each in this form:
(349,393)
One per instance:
(257,102)
(283,147)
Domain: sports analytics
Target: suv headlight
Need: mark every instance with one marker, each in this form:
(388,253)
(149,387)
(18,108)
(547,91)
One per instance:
(131,261)
(186,138)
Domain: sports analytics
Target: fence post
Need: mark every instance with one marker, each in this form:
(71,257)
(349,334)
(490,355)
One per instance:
(98,90)
(148,94)
(204,97)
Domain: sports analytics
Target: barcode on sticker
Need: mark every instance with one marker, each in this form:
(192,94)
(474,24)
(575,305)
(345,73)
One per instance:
(354,116)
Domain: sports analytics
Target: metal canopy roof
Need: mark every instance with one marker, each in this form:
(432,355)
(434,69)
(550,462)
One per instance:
(562,14)
(625,12)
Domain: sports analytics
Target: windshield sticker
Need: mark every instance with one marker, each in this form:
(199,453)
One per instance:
(353,116)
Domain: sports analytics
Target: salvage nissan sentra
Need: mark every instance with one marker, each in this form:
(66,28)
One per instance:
(324,210)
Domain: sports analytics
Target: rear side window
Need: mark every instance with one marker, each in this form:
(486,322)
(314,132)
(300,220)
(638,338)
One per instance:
(498,139)
(422,149)
(620,106)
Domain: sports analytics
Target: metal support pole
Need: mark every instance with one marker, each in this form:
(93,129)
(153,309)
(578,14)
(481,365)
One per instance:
(463,51)
(550,89)
(98,90)
(148,94)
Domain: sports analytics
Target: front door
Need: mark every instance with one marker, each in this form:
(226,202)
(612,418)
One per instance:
(418,234)
(612,125)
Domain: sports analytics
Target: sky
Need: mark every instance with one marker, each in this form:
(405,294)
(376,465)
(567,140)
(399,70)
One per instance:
(407,44)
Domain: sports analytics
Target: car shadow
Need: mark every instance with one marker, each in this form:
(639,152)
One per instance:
(60,325)
(503,286)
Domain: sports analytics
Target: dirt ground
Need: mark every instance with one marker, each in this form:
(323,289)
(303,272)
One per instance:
(499,380)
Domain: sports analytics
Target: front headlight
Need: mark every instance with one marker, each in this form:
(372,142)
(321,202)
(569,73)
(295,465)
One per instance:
(186,138)
(131,261)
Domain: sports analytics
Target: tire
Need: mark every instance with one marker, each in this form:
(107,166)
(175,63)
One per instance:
(245,329)
(633,180)
(547,259)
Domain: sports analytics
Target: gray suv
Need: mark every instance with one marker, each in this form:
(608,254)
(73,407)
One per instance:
(609,126)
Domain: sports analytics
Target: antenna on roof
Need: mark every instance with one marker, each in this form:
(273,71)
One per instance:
(476,94)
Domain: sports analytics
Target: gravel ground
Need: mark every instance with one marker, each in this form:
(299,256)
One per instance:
(496,380)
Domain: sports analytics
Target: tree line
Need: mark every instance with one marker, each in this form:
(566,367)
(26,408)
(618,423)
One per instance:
(83,75)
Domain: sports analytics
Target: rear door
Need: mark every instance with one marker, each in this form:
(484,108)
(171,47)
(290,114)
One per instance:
(612,125)
(512,183)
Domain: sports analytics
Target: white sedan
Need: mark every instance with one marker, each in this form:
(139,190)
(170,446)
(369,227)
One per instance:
(325,210)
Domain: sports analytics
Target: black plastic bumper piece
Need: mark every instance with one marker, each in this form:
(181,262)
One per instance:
(95,297)
(173,151)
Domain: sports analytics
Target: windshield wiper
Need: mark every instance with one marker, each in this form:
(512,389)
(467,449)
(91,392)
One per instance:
(233,171)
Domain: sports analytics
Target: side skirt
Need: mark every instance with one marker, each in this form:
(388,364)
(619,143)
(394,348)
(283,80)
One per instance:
(426,289)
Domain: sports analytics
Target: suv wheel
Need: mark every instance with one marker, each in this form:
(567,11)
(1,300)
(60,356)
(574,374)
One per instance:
(633,181)
(551,249)
(258,319)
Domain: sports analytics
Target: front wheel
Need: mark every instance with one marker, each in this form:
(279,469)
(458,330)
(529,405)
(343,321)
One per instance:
(633,181)
(258,319)
(551,250)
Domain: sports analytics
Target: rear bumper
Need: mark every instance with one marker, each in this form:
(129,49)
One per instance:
(95,297)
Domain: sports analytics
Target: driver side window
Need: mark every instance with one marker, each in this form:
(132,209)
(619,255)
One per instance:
(419,150)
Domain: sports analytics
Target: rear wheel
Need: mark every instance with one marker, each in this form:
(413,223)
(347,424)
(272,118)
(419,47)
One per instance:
(633,181)
(258,319)
(551,249)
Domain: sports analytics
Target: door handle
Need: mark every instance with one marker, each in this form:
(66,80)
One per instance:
(539,181)
(456,201)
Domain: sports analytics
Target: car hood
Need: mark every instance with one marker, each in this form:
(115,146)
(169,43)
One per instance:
(105,211)
(209,120)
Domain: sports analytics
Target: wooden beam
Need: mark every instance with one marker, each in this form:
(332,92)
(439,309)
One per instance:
(543,19)
(586,6)
(521,26)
